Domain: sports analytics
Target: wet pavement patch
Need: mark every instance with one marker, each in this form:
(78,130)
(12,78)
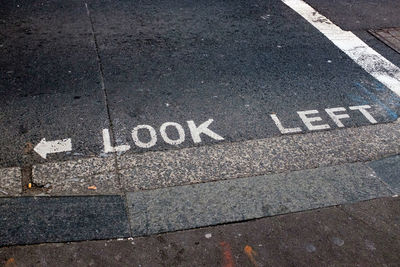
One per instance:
(29,220)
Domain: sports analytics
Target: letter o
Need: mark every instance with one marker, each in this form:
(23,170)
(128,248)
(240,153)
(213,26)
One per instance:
(180,130)
(153,136)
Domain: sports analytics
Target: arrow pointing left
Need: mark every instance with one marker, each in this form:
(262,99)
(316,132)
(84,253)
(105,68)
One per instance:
(48,147)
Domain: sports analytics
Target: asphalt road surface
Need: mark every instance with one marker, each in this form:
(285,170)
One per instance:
(69,70)
(123,119)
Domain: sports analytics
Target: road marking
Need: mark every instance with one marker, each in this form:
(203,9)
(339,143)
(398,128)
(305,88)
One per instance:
(152,133)
(195,132)
(108,148)
(49,147)
(308,120)
(178,127)
(363,110)
(283,129)
(202,129)
(370,60)
(337,117)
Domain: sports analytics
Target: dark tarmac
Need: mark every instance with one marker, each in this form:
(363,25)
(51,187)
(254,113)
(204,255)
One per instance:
(72,69)
(209,133)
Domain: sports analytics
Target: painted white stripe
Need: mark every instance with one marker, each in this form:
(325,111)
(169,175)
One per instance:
(370,60)
(283,129)
(57,146)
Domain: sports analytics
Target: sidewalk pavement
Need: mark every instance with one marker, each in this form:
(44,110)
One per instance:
(362,234)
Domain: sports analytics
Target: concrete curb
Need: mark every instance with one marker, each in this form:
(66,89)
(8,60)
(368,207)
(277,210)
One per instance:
(154,170)
(29,220)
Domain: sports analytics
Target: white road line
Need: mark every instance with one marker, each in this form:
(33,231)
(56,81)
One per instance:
(108,148)
(195,131)
(57,146)
(370,60)
(282,129)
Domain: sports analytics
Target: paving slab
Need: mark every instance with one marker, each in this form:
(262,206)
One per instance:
(50,82)
(388,170)
(299,239)
(382,221)
(185,207)
(84,176)
(236,63)
(10,182)
(258,157)
(29,220)
(97,184)
(359,15)
(390,36)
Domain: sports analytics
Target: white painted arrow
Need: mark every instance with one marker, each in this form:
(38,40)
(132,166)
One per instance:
(47,147)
